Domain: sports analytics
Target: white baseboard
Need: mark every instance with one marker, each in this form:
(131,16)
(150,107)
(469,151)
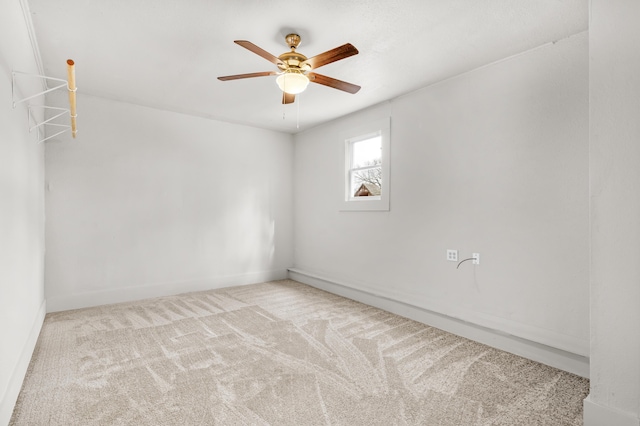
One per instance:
(66,302)
(558,358)
(17,377)
(599,415)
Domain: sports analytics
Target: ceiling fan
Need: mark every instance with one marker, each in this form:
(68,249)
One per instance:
(296,70)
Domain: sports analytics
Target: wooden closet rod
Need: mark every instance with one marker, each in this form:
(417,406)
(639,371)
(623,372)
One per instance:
(71,81)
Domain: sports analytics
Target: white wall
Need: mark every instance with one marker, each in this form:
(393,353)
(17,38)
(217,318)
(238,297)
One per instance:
(147,202)
(615,213)
(494,161)
(21,213)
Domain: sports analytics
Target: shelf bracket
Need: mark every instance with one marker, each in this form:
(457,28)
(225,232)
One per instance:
(70,84)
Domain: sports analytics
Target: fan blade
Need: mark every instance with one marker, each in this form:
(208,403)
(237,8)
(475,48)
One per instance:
(333,82)
(332,55)
(253,74)
(288,98)
(259,51)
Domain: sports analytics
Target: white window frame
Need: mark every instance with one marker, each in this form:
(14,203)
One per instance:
(359,133)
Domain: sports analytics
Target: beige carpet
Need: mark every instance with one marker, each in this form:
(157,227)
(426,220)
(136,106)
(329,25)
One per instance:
(278,353)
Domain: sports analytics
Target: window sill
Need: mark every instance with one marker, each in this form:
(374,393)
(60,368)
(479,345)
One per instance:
(365,204)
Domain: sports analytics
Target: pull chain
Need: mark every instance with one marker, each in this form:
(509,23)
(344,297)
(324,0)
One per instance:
(298,112)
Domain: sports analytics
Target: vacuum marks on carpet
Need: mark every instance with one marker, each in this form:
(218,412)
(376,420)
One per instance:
(278,353)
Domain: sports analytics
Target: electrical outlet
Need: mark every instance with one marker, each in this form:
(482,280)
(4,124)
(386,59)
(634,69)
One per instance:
(452,255)
(476,258)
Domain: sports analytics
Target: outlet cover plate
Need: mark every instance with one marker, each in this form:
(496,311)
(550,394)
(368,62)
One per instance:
(452,255)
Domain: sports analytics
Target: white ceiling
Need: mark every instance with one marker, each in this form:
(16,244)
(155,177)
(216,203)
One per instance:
(167,53)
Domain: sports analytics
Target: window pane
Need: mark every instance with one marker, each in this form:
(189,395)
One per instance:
(367,152)
(366,182)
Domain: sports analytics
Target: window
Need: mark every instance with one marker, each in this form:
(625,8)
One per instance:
(365,170)
(366,159)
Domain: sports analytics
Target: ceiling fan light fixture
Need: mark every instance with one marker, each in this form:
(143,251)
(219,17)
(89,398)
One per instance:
(292,81)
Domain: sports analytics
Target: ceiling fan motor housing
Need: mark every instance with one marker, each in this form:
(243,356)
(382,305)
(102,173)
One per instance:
(293,59)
